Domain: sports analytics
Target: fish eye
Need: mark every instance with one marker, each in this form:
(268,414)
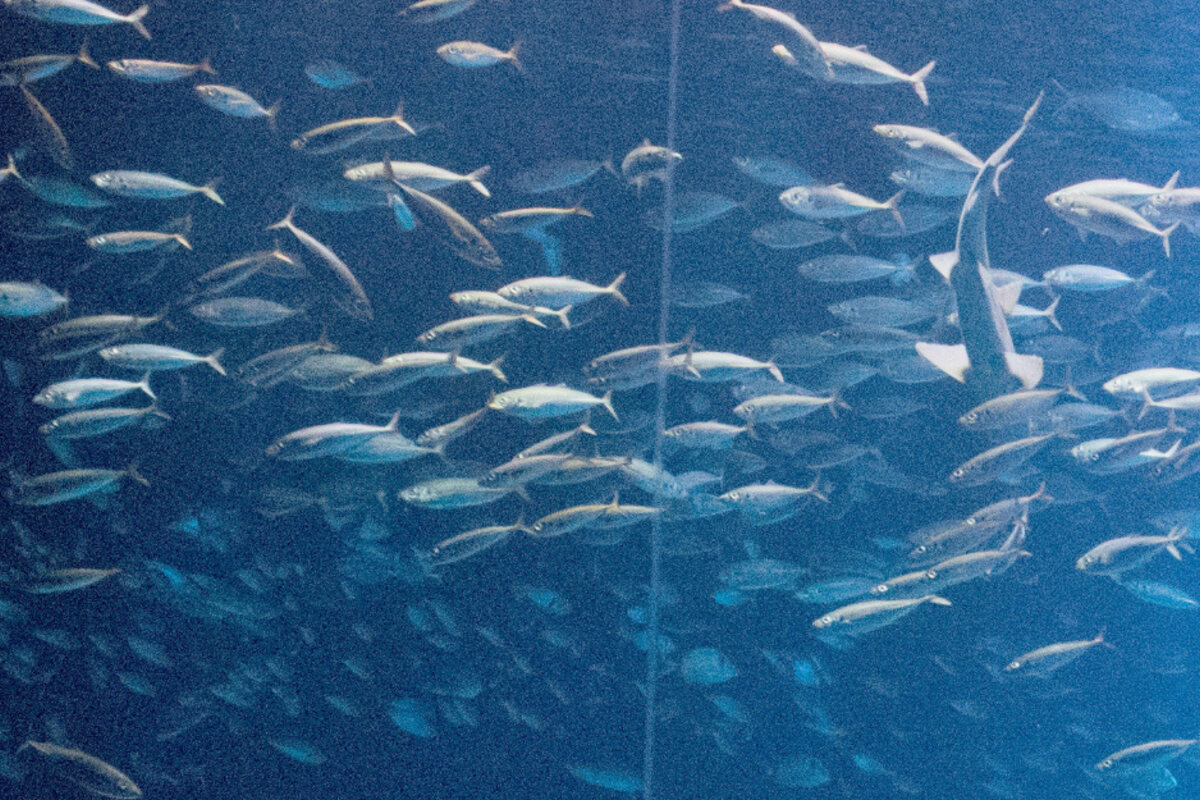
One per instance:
(1105,764)
(825,621)
(931,574)
(958,473)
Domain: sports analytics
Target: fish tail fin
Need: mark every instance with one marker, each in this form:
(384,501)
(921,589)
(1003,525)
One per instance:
(497,373)
(473,178)
(774,370)
(512,58)
(183,242)
(393,423)
(1147,403)
(209,191)
(132,469)
(918,81)
(213,359)
(1049,313)
(614,289)
(1166,238)
(286,222)
(206,66)
(11,168)
(135,19)
(533,320)
(144,385)
(1170,184)
(562,316)
(891,205)
(606,401)
(814,489)
(938,600)
(272,111)
(84,57)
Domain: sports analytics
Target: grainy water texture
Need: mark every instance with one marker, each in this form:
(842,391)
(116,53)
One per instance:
(330,336)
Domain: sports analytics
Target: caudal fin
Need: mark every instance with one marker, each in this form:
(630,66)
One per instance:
(209,191)
(614,289)
(135,19)
(918,81)
(473,179)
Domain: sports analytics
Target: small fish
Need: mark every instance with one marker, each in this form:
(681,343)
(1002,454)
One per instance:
(835,202)
(65,580)
(542,401)
(351,131)
(648,162)
(157,357)
(85,771)
(84,392)
(1161,594)
(123,242)
(234,102)
(435,10)
(145,70)
(1043,661)
(329,74)
(560,291)
(50,136)
(929,148)
(35,68)
(242,312)
(60,487)
(151,186)
(475,54)
(20,299)
(78,12)
(348,293)
(416,175)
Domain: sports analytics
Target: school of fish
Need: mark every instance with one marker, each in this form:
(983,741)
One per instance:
(334,442)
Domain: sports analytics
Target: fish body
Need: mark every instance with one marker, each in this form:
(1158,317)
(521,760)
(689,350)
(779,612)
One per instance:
(73,484)
(157,357)
(541,402)
(418,175)
(474,55)
(86,771)
(929,148)
(84,392)
(869,615)
(21,299)
(1124,553)
(234,102)
(150,186)
(78,12)
(1043,661)
(560,291)
(124,242)
(145,70)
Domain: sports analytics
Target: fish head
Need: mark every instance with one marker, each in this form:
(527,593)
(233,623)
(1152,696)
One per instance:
(797,197)
(1014,665)
(1105,764)
(1058,201)
(1086,561)
(889,131)
(825,621)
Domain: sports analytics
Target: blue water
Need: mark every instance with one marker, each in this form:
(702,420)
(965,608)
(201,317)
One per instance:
(308,652)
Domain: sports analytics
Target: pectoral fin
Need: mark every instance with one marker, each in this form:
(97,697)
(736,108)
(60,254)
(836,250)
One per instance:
(949,358)
(1027,369)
